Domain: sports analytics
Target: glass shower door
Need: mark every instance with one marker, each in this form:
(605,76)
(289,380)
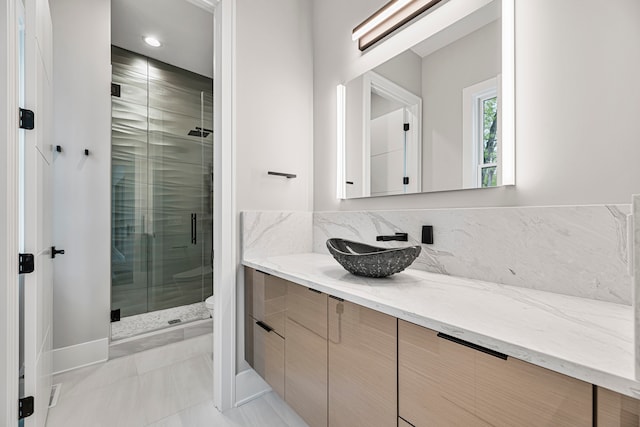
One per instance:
(162,186)
(180,161)
(129,170)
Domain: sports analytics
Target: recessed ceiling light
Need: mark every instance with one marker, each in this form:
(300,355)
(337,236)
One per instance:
(151,41)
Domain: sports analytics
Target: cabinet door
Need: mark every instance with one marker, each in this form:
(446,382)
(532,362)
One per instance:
(516,393)
(306,374)
(403,423)
(362,366)
(436,379)
(248,315)
(306,354)
(269,298)
(617,410)
(268,357)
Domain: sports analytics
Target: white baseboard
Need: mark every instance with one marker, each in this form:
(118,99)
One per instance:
(80,355)
(249,386)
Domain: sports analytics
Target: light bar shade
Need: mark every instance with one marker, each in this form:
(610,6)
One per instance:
(389,18)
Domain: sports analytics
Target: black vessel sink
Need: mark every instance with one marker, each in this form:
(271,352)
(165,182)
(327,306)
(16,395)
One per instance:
(371,261)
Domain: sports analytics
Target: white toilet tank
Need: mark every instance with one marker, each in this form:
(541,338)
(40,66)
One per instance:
(209,303)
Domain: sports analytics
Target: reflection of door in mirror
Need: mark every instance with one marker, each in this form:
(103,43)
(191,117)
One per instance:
(392,138)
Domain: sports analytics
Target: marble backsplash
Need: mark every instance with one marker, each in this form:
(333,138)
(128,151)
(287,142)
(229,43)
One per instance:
(573,250)
(273,233)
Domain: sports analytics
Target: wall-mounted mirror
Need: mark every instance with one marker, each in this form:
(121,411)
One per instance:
(432,118)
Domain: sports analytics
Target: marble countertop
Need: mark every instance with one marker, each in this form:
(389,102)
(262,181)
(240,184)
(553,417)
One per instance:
(586,339)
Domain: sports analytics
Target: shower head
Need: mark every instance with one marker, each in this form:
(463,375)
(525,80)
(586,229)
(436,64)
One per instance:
(200,132)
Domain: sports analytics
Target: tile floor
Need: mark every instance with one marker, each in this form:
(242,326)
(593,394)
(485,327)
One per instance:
(169,386)
(180,332)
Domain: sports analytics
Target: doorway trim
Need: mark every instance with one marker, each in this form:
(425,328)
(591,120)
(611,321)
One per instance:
(225,217)
(9,360)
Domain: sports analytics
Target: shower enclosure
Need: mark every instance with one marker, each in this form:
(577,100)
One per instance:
(161,186)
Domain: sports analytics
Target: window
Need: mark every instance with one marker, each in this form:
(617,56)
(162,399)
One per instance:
(481,135)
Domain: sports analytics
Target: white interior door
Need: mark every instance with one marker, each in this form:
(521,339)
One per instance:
(36,159)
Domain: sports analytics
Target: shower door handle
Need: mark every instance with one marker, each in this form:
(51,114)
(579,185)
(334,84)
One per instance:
(194,226)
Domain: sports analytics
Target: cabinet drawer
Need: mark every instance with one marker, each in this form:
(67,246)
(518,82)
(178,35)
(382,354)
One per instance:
(268,296)
(307,308)
(268,357)
(617,410)
(306,373)
(512,392)
(448,384)
(436,379)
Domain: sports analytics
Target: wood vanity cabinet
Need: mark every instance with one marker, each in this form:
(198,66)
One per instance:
(268,357)
(616,410)
(268,300)
(265,298)
(362,366)
(446,383)
(306,354)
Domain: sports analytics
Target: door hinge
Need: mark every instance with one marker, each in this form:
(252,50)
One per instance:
(115,90)
(26,263)
(115,315)
(27,119)
(405,180)
(406,127)
(25,407)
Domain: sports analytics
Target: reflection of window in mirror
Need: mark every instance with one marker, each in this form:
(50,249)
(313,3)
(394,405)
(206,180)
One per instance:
(481,134)
(488,110)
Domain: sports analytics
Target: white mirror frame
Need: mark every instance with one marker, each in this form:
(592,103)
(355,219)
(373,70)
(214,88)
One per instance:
(431,24)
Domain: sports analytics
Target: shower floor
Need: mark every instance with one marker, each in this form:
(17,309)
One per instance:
(156,320)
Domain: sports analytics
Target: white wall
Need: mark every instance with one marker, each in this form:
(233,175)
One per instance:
(274,104)
(274,114)
(82,184)
(576,104)
(404,70)
(445,73)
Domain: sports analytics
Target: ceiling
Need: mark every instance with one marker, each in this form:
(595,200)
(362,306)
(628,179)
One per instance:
(184,27)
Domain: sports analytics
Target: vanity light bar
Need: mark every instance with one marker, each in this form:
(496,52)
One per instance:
(379,17)
(508,96)
(341,136)
(389,18)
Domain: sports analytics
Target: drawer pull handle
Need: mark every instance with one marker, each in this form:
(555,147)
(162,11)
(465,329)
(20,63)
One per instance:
(315,290)
(264,326)
(473,346)
(336,298)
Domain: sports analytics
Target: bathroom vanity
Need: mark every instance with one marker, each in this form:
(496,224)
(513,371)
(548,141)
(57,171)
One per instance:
(344,350)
